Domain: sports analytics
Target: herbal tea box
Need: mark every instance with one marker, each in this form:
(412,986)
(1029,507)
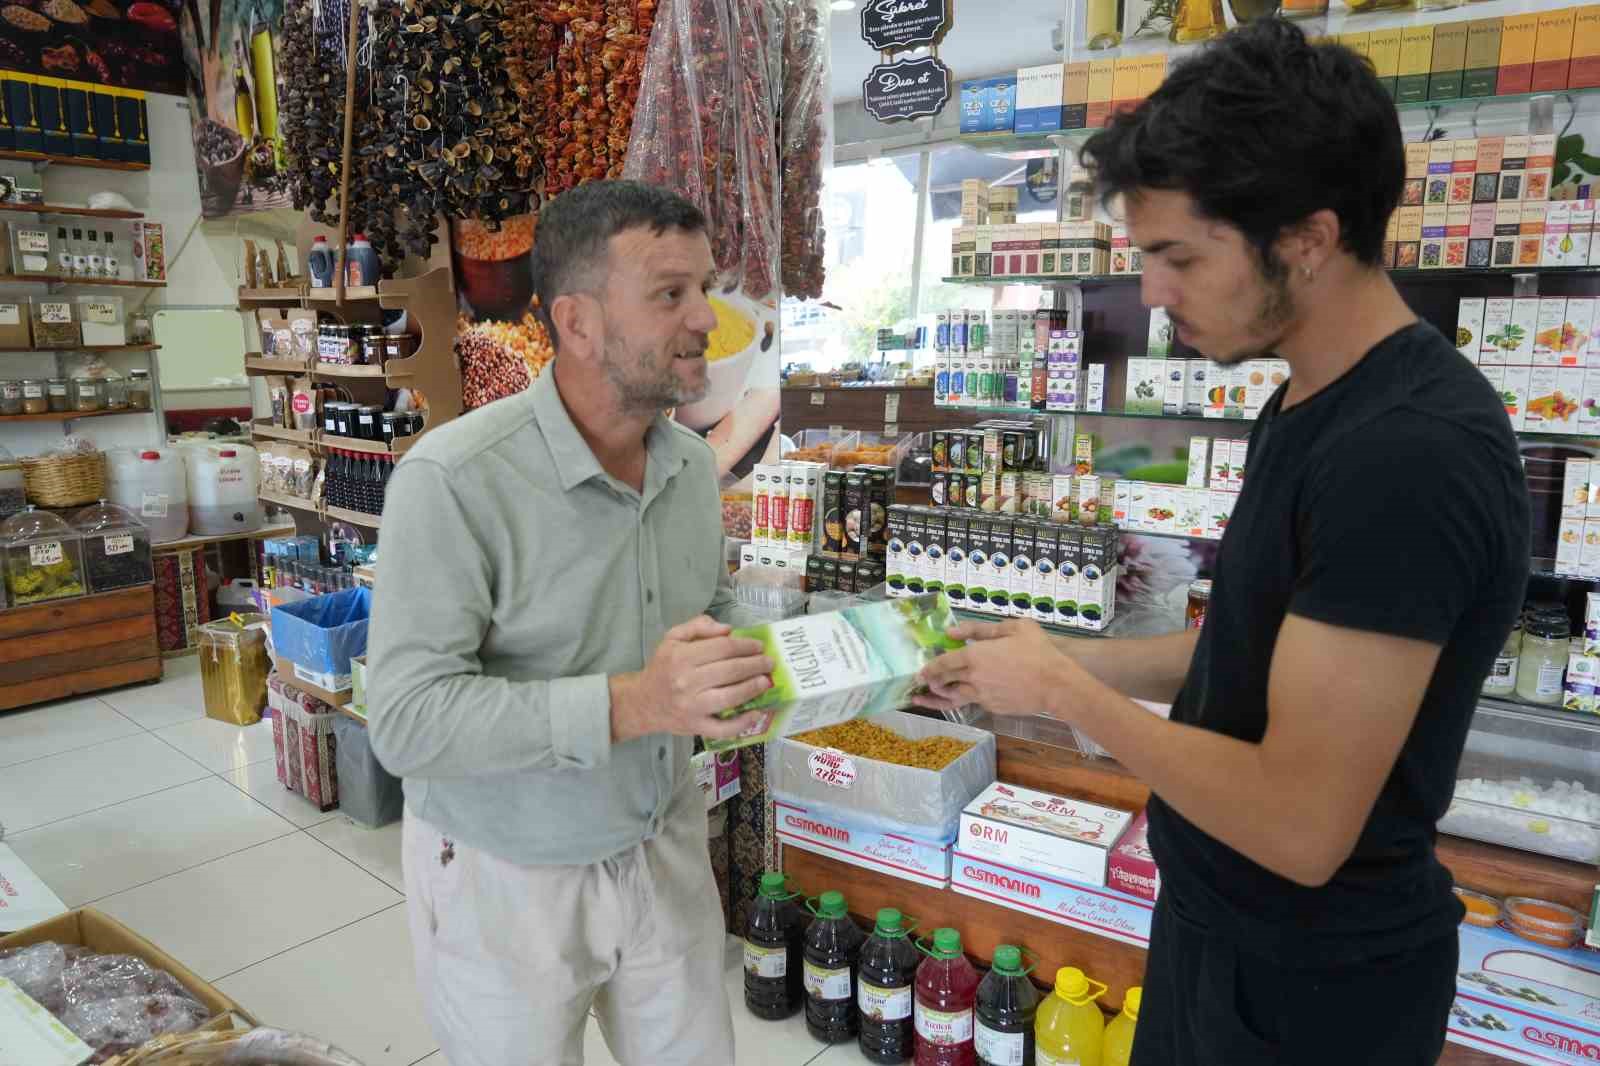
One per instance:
(1041,833)
(1514,394)
(1575,488)
(1094,397)
(1219,506)
(1160,340)
(1557,232)
(1569,546)
(1163,510)
(1121,503)
(1199,455)
(1543,400)
(1589,403)
(1523,346)
(1469,328)
(1565,412)
(1172,386)
(1221,456)
(1139,506)
(1195,375)
(1507,231)
(1192,506)
(1240,451)
(1552,316)
(1575,331)
(1589,561)
(1498,337)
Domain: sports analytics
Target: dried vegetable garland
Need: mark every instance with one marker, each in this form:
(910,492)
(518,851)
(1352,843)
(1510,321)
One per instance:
(805,124)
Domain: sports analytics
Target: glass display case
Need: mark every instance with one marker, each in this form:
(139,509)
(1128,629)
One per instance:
(116,547)
(43,557)
(1530,779)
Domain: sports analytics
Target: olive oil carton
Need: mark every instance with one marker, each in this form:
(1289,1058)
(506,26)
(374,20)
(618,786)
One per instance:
(1069,564)
(833,667)
(1000,566)
(977,582)
(895,563)
(916,540)
(956,538)
(1024,538)
(1046,550)
(933,552)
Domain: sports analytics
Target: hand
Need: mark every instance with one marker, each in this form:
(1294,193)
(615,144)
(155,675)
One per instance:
(697,671)
(1006,669)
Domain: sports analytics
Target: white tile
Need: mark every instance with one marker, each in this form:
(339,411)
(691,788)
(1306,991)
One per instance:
(52,728)
(354,988)
(376,851)
(236,911)
(220,746)
(130,843)
(175,698)
(60,786)
(260,782)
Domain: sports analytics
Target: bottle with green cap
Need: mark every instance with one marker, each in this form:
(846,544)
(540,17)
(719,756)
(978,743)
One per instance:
(832,953)
(773,945)
(1119,1034)
(947,991)
(1007,1002)
(1070,1030)
(888,970)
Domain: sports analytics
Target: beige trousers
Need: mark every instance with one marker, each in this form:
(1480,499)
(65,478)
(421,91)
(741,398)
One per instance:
(511,959)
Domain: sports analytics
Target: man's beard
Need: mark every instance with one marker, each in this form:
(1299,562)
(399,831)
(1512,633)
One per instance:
(1277,310)
(642,386)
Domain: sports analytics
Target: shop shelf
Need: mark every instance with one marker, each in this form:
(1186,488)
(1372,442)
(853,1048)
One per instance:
(72,416)
(274,295)
(64,209)
(400,446)
(263,428)
(92,348)
(1029,412)
(1530,779)
(1408,274)
(86,283)
(347,370)
(88,164)
(292,502)
(352,292)
(360,518)
(1066,631)
(257,364)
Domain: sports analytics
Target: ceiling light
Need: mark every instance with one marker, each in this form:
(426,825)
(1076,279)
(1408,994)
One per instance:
(843,5)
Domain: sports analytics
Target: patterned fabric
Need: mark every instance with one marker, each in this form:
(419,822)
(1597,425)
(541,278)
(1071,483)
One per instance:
(183,604)
(752,844)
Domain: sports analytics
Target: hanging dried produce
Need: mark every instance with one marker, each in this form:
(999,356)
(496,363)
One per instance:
(705,122)
(309,110)
(805,125)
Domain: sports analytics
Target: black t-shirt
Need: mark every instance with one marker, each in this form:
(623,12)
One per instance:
(1392,502)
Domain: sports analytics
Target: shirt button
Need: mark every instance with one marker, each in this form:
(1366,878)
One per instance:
(661,755)
(649,595)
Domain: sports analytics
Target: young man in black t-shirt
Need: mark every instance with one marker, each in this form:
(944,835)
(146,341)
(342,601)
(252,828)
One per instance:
(1372,568)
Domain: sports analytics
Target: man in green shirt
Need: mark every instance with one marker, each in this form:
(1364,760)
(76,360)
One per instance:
(543,651)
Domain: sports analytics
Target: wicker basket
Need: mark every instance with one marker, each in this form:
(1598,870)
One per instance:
(64,480)
(239,1047)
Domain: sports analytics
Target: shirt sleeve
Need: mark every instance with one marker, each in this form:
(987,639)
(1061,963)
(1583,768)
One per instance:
(725,606)
(432,711)
(1393,525)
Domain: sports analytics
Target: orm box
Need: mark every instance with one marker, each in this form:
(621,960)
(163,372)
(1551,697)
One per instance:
(1054,835)
(830,834)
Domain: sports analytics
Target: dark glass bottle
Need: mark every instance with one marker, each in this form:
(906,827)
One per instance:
(832,954)
(774,948)
(888,970)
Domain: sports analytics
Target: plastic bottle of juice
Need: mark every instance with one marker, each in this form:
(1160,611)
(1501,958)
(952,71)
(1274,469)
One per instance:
(832,953)
(1119,1034)
(947,992)
(1007,1002)
(888,970)
(1070,1030)
(774,943)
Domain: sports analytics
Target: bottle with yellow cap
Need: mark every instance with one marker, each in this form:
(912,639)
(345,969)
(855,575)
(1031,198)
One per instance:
(1070,1030)
(1119,1034)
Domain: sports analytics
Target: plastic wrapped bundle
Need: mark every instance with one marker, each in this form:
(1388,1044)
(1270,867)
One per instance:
(234,668)
(704,127)
(806,130)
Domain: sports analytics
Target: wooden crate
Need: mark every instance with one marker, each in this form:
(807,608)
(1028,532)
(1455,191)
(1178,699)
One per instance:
(49,651)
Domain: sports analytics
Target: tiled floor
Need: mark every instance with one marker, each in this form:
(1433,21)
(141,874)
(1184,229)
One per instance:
(176,824)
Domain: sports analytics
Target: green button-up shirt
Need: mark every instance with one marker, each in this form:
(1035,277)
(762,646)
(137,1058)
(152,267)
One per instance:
(514,575)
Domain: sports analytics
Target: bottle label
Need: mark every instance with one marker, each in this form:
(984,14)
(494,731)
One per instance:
(153,505)
(942,1027)
(765,962)
(1503,675)
(884,1004)
(998,1049)
(823,983)
(1550,675)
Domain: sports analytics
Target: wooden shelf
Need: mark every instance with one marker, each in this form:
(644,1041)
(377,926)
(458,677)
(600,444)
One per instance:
(69,647)
(87,283)
(64,209)
(185,543)
(66,161)
(359,518)
(348,370)
(256,364)
(69,416)
(400,446)
(272,432)
(353,292)
(284,296)
(92,348)
(291,502)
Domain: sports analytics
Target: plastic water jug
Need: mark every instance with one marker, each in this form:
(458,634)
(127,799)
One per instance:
(224,483)
(154,486)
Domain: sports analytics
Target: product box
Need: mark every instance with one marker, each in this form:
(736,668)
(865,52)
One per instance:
(1541,163)
(1544,401)
(1575,331)
(1557,232)
(1525,323)
(1578,689)
(1132,867)
(832,834)
(1514,393)
(1199,462)
(1000,116)
(1103,911)
(1522,1001)
(1160,334)
(149,252)
(1152,72)
(933,565)
(1513,167)
(1196,373)
(1482,59)
(1449,59)
(1518,38)
(1569,546)
(1575,489)
(1146,386)
(836,666)
(974,202)
(1552,52)
(1124,84)
(1042,833)
(974,98)
(1408,237)
(1589,403)
(315,639)
(1566,406)
(1552,315)
(1441,164)
(1486,169)
(1075,96)
(956,538)
(1507,232)
(1435,219)
(1192,506)
(1463,170)
(1416,62)
(1584,71)
(1416,180)
(1469,327)
(1039,98)
(717,775)
(1589,560)
(1580,234)
(1238,452)
(1383,50)
(1162,513)
(1173,375)
(1219,508)
(1101,72)
(1094,397)
(1458,227)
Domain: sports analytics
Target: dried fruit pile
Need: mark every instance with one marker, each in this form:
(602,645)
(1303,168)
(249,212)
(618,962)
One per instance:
(499,359)
(805,122)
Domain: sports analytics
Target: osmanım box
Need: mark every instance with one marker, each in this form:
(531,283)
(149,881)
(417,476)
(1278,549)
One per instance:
(887,853)
(1037,831)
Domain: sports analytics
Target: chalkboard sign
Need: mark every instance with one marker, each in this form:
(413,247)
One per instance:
(911,88)
(893,25)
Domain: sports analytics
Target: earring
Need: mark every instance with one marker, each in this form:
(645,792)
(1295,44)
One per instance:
(1310,275)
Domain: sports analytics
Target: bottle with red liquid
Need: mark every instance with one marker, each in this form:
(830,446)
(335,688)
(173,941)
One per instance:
(947,994)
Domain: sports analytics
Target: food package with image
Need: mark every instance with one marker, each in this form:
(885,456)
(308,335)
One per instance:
(841,665)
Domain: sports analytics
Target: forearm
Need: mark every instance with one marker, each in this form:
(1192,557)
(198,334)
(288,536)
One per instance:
(1224,786)
(1146,668)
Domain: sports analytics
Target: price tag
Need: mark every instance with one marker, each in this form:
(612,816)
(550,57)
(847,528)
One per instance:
(891,407)
(817,399)
(833,768)
(119,544)
(32,392)
(153,505)
(47,554)
(10,314)
(891,429)
(33,240)
(100,311)
(55,314)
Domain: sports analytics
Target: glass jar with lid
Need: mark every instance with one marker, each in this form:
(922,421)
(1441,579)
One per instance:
(88,393)
(116,390)
(43,557)
(59,392)
(13,491)
(139,389)
(116,547)
(1199,599)
(1542,663)
(1502,679)
(10,397)
(35,396)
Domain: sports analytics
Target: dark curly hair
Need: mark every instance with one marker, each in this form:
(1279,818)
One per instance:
(1263,129)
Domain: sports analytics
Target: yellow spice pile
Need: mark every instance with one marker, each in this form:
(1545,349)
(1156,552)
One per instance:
(859,737)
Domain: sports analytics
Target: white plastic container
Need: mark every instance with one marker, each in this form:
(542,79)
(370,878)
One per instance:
(224,483)
(154,486)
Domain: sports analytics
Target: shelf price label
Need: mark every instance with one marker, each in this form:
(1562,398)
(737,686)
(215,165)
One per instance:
(55,314)
(119,543)
(891,407)
(47,554)
(100,311)
(818,399)
(10,314)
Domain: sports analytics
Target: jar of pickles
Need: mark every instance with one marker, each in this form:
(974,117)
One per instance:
(1542,663)
(35,396)
(1502,679)
(10,397)
(88,393)
(59,391)
(116,389)
(139,389)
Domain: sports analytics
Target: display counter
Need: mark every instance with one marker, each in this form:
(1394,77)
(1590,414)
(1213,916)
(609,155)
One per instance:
(1108,927)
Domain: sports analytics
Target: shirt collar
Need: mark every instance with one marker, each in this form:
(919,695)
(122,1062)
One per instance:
(575,463)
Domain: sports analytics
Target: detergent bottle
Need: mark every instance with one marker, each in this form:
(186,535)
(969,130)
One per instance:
(1119,1034)
(1070,1030)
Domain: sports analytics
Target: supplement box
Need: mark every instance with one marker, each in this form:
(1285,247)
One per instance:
(835,834)
(1103,911)
(1036,831)
(1132,868)
(839,665)
(717,775)
(884,796)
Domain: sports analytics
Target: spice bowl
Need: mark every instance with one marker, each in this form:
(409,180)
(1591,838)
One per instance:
(1544,923)
(1482,910)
